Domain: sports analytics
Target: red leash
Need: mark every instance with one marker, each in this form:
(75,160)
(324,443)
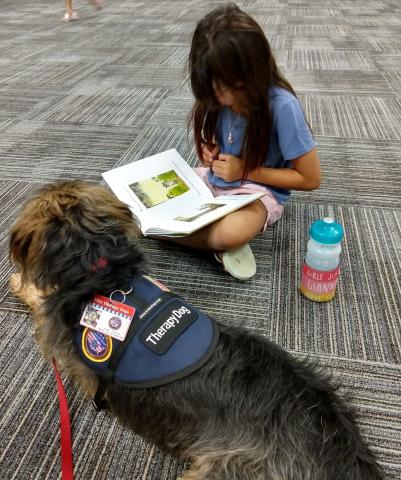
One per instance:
(67,468)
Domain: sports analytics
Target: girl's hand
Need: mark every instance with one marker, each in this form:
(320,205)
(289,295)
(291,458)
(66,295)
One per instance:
(228,167)
(209,154)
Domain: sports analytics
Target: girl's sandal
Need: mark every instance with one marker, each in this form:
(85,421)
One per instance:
(239,263)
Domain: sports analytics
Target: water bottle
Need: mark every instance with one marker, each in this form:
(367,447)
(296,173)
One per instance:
(321,270)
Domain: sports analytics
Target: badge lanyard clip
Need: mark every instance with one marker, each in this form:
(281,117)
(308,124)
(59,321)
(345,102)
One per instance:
(124,294)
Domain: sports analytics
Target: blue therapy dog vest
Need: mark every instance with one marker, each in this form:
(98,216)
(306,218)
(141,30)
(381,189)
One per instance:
(168,339)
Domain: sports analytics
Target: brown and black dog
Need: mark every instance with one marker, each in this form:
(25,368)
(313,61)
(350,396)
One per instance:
(251,412)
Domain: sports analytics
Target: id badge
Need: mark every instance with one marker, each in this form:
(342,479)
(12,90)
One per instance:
(108,317)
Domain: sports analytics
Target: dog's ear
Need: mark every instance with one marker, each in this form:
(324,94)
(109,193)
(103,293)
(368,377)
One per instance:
(66,228)
(27,239)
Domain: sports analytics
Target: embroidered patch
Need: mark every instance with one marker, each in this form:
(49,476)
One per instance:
(167,326)
(96,346)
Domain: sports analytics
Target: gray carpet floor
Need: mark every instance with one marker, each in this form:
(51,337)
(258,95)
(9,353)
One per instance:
(77,99)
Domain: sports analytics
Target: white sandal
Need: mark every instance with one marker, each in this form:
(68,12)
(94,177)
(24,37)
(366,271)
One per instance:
(240,263)
(69,18)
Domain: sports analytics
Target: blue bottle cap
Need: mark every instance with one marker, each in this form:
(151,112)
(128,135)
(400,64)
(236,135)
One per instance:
(326,231)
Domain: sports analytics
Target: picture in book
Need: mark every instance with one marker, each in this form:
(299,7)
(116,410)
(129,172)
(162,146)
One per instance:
(161,188)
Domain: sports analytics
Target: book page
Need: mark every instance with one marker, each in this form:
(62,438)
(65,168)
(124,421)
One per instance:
(158,187)
(194,217)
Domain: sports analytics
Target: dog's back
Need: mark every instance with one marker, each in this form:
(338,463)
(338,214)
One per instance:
(252,412)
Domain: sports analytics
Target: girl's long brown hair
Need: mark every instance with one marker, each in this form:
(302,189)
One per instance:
(230,48)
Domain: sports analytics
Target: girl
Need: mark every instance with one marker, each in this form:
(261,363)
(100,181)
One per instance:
(250,133)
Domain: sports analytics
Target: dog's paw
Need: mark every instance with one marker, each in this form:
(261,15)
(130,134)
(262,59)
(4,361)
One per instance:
(15,283)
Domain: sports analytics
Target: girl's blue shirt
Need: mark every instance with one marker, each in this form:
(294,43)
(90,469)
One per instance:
(290,138)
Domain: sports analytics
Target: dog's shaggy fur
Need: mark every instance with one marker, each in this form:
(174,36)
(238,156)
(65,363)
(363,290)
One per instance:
(252,412)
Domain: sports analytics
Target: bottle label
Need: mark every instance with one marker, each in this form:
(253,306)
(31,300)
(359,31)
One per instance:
(319,285)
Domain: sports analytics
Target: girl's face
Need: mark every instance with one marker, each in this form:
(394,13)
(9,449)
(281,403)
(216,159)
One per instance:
(233,98)
(224,95)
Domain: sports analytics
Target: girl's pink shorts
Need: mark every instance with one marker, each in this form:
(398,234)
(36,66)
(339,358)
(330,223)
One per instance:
(274,209)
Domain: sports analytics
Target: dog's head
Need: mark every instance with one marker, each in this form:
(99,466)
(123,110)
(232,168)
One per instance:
(72,231)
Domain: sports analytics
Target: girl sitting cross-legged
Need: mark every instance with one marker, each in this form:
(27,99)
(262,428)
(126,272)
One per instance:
(250,133)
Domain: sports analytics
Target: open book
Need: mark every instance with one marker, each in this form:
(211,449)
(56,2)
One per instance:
(168,197)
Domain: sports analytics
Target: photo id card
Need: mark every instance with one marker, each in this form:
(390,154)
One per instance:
(108,317)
